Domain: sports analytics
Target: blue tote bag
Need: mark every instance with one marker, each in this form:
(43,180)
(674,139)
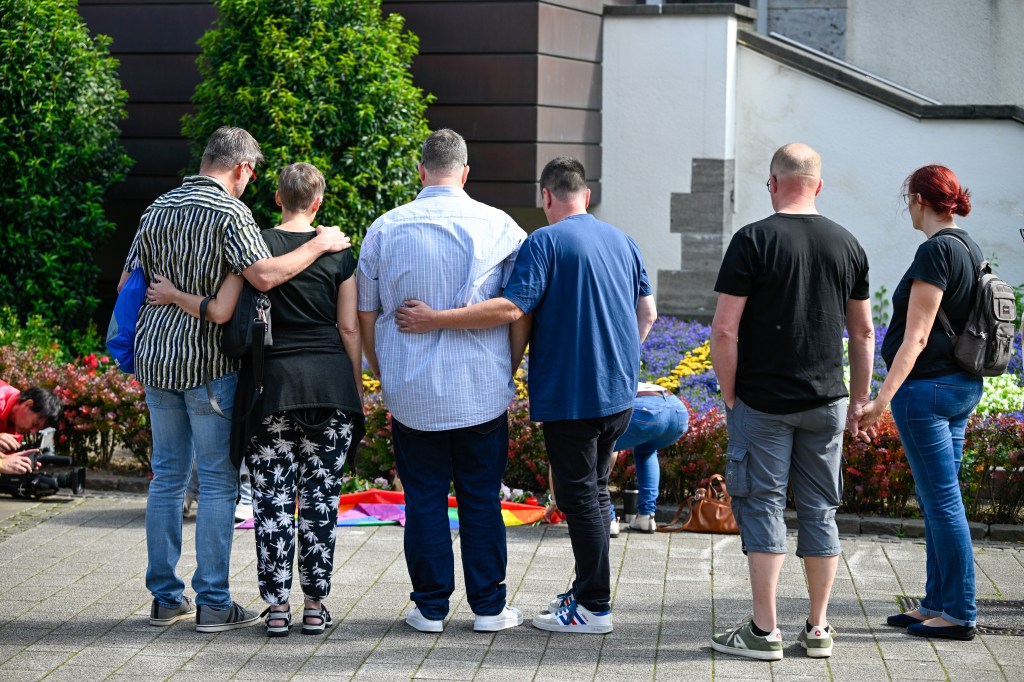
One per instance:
(121,331)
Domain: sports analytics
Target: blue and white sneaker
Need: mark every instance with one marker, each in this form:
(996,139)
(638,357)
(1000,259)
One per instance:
(561,601)
(575,618)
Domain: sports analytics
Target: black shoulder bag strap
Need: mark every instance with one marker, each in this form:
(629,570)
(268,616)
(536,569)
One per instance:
(977,276)
(257,364)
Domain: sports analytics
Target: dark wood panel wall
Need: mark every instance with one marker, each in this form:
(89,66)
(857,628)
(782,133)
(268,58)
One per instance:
(520,79)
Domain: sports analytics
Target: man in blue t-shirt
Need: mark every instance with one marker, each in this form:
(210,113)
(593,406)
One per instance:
(585,285)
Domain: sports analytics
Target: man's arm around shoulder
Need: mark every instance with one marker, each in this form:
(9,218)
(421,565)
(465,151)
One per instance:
(417,317)
(268,273)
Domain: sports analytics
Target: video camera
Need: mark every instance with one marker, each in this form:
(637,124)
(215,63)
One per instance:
(40,483)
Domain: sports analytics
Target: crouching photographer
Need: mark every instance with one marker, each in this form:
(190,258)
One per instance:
(27,413)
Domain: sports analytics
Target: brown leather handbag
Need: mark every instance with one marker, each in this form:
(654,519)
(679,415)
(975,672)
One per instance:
(710,511)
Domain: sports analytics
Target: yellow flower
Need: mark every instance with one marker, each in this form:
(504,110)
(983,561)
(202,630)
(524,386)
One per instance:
(370,383)
(520,379)
(697,361)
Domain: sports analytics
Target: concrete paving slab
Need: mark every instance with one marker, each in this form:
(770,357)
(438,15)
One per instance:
(81,604)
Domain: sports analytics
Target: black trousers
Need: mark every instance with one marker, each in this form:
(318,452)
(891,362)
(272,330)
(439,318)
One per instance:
(580,451)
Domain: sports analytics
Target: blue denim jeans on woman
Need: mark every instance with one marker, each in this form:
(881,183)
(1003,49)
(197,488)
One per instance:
(657,422)
(931,416)
(183,421)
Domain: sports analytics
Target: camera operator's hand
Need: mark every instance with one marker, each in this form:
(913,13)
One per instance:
(9,442)
(16,464)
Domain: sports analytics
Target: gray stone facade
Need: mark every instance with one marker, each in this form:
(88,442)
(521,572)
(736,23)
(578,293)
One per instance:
(820,24)
(703,219)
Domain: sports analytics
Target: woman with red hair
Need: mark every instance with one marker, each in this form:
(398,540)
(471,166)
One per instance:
(932,397)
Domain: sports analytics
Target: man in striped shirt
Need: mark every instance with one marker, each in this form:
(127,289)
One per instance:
(195,236)
(448,391)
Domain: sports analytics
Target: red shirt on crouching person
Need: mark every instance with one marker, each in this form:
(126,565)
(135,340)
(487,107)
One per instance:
(23,413)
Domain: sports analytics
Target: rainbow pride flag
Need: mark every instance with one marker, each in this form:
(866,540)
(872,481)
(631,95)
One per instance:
(387,507)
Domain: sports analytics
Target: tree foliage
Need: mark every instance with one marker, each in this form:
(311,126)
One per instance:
(60,100)
(321,81)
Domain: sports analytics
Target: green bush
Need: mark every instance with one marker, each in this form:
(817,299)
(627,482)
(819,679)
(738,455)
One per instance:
(321,81)
(60,101)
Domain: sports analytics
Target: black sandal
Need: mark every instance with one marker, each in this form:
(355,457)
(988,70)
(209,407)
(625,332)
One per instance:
(277,630)
(322,615)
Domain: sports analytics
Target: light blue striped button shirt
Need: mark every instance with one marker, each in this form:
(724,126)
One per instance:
(448,251)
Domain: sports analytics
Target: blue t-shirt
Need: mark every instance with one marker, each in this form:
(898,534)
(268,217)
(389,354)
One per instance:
(581,278)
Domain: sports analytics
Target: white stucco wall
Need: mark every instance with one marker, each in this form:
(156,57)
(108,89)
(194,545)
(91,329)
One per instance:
(956,51)
(668,97)
(867,151)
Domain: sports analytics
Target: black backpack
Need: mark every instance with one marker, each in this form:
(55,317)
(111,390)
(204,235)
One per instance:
(985,346)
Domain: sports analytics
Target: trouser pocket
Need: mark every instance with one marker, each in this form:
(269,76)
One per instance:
(736,474)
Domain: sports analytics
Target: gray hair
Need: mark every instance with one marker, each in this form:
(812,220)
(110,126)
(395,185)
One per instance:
(229,147)
(299,185)
(563,176)
(444,152)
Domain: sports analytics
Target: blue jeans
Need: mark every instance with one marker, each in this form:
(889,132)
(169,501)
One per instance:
(473,458)
(244,487)
(183,421)
(657,422)
(931,416)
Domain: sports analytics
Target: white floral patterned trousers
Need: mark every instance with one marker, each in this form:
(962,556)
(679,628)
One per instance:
(286,462)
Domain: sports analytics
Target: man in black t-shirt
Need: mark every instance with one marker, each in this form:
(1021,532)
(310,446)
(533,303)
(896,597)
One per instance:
(788,286)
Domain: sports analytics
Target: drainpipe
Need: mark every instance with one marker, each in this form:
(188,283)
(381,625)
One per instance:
(762,17)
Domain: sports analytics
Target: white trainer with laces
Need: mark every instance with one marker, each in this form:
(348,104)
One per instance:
(575,618)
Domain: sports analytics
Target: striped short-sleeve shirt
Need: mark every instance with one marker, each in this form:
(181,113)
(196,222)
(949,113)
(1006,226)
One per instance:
(448,251)
(193,235)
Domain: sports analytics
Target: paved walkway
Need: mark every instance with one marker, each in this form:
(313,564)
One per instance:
(73,606)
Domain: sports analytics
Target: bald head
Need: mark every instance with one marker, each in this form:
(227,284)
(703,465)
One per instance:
(795,179)
(798,161)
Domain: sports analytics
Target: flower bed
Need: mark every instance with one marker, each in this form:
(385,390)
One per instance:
(106,409)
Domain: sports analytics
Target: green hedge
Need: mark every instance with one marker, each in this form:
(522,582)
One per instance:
(60,101)
(321,81)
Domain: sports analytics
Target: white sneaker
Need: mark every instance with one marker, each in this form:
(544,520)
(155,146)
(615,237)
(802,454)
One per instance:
(613,529)
(561,601)
(644,523)
(243,512)
(510,617)
(418,621)
(575,618)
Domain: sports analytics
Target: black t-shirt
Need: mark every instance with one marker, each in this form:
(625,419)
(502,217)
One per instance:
(311,297)
(942,261)
(307,371)
(798,273)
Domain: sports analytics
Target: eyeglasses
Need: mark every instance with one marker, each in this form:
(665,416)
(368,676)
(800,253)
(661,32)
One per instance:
(252,168)
(769,183)
(906,197)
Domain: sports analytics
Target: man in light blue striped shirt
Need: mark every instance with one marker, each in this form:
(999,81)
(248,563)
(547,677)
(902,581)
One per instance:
(448,391)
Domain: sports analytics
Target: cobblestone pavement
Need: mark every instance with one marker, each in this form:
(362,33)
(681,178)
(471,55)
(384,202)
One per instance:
(74,607)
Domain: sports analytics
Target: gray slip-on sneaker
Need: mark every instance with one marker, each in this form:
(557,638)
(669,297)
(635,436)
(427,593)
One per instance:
(165,615)
(209,619)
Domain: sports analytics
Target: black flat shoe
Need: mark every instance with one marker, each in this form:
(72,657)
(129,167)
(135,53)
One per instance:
(960,632)
(902,620)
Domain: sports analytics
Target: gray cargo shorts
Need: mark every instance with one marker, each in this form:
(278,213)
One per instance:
(767,453)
